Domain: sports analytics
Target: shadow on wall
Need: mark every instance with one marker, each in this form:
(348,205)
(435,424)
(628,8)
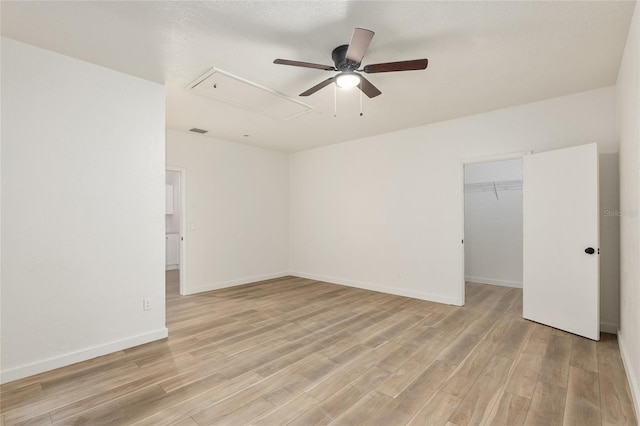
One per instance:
(609,242)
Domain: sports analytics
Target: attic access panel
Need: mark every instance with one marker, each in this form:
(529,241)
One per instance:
(228,88)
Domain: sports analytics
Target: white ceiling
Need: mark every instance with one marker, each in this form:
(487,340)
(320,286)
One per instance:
(483,55)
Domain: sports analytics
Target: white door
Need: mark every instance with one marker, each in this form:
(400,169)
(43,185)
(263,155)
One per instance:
(561,285)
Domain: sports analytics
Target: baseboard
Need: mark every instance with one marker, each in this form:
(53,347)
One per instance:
(606,327)
(632,375)
(503,283)
(79,356)
(233,283)
(382,289)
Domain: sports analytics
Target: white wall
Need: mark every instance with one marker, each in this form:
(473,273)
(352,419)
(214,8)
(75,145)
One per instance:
(493,224)
(629,105)
(82,202)
(386,212)
(237,202)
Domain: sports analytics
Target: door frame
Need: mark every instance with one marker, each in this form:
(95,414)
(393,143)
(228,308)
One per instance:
(474,160)
(183,228)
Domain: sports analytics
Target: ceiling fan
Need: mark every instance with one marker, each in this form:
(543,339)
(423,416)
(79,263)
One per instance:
(347,59)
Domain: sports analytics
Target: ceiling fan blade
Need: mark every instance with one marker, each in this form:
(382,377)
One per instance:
(416,64)
(304,64)
(367,88)
(318,86)
(359,44)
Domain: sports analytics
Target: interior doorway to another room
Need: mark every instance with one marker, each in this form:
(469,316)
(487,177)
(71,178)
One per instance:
(174,232)
(493,223)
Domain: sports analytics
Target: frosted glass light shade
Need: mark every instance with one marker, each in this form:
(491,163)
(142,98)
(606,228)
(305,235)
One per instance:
(347,80)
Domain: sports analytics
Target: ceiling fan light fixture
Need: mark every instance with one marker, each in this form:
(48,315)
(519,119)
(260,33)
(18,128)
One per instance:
(347,80)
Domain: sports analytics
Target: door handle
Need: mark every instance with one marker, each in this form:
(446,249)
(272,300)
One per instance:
(589,250)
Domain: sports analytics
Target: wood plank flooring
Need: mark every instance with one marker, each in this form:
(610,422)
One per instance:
(293,351)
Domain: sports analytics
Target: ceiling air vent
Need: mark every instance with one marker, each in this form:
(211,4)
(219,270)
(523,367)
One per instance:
(228,88)
(196,130)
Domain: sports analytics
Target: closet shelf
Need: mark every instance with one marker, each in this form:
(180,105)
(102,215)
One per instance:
(498,185)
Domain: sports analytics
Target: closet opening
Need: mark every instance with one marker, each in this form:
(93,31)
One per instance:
(492,225)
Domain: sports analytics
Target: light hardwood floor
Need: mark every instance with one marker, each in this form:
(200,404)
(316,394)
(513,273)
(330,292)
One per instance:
(301,352)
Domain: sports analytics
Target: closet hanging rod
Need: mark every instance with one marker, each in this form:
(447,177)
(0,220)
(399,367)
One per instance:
(493,186)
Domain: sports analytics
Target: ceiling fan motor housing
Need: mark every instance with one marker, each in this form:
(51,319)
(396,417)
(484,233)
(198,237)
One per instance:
(339,59)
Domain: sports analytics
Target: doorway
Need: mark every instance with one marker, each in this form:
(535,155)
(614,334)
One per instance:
(493,223)
(560,238)
(175,216)
(482,178)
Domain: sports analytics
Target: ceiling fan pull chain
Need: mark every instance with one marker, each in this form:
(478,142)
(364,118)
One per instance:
(335,100)
(360,103)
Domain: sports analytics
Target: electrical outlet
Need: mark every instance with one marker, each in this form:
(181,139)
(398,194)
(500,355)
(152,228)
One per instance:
(146,304)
